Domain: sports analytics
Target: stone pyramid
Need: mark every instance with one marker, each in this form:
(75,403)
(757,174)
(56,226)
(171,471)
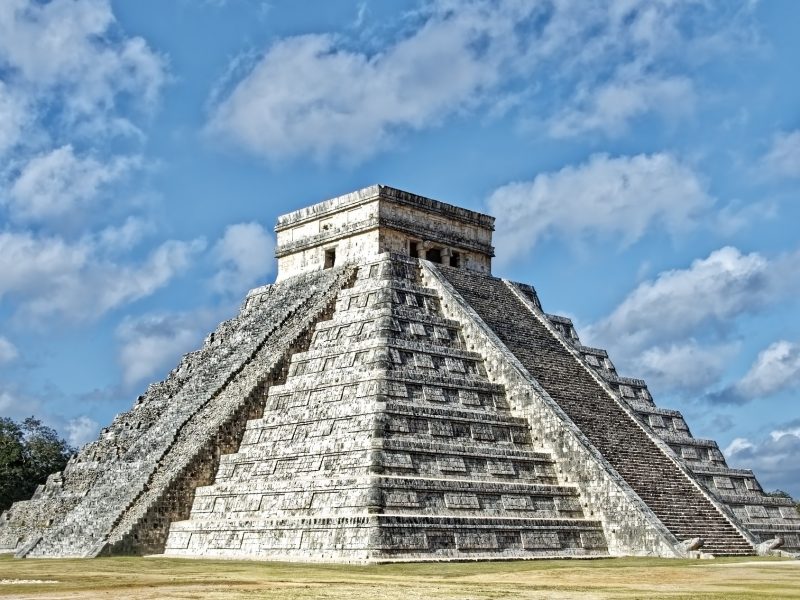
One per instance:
(388,399)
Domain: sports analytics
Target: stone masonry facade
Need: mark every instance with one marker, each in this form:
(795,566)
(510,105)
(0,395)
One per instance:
(388,399)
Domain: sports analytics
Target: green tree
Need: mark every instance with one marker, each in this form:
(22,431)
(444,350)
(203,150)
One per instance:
(29,452)
(12,450)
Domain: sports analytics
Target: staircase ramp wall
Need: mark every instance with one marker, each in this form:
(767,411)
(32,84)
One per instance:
(641,460)
(766,517)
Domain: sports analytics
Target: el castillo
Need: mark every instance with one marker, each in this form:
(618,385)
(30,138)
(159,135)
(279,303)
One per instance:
(387,399)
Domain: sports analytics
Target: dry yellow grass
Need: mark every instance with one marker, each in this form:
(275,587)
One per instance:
(156,578)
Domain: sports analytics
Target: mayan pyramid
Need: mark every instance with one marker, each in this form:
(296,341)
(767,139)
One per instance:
(389,399)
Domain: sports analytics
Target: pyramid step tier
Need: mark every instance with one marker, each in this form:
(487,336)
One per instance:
(385,537)
(388,494)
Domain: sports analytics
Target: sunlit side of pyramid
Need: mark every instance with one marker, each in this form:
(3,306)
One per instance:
(389,399)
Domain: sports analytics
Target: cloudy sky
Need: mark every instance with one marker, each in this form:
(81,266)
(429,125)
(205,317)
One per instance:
(642,159)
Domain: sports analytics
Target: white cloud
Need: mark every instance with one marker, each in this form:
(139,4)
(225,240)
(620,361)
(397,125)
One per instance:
(361,13)
(30,263)
(779,433)
(712,292)
(632,59)
(608,63)
(154,342)
(738,215)
(137,281)
(783,157)
(611,106)
(349,103)
(738,445)
(621,197)
(15,117)
(245,254)
(68,75)
(775,458)
(8,351)
(71,46)
(81,430)
(686,366)
(114,239)
(59,183)
(776,368)
(54,278)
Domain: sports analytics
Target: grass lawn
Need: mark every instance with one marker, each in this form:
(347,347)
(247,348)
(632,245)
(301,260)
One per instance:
(606,578)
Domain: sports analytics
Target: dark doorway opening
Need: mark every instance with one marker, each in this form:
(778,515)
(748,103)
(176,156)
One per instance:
(330,258)
(455,259)
(434,255)
(413,249)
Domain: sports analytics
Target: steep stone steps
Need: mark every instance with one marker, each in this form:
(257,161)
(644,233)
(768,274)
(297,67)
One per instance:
(741,492)
(653,476)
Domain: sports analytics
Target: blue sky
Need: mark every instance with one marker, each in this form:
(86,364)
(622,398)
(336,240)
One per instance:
(642,159)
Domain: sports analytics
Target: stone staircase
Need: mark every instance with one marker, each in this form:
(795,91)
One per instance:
(387,442)
(765,517)
(654,476)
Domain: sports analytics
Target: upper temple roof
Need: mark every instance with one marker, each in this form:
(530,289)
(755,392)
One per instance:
(377,219)
(376,191)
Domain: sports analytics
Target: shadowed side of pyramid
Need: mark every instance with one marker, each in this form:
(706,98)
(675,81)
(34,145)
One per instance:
(667,490)
(765,517)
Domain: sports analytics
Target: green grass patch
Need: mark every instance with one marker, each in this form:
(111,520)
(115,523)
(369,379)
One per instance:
(130,577)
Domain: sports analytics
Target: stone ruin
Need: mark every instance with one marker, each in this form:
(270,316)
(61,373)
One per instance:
(389,399)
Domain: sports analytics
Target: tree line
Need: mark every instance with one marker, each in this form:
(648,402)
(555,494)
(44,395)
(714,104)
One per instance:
(29,452)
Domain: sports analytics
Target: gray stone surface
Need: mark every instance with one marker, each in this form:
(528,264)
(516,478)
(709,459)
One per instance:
(643,460)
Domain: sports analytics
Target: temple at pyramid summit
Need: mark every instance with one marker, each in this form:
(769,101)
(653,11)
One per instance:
(389,399)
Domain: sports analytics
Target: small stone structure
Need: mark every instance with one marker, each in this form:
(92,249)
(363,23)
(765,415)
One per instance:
(389,399)
(382,219)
